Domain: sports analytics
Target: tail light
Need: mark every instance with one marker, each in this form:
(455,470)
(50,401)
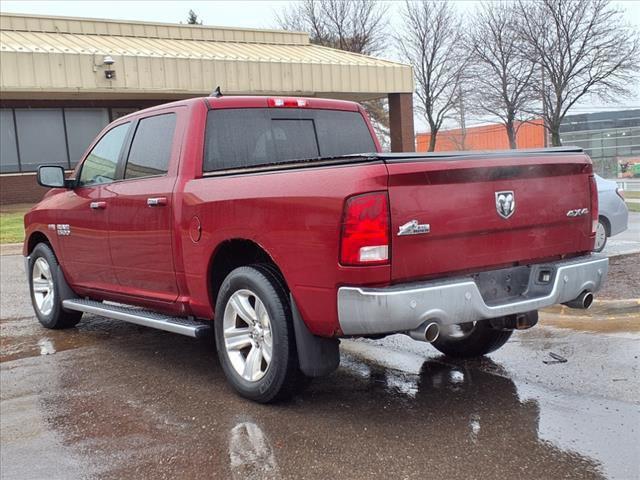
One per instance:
(620,193)
(593,189)
(287,102)
(365,230)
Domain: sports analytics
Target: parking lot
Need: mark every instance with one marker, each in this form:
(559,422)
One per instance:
(113,400)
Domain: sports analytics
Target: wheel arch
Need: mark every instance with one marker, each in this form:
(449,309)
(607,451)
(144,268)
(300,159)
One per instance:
(317,356)
(231,254)
(607,224)
(35,238)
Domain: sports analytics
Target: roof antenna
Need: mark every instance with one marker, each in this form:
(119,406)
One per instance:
(217,92)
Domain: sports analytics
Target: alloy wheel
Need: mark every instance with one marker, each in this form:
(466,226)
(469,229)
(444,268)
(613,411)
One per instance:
(43,288)
(601,236)
(247,335)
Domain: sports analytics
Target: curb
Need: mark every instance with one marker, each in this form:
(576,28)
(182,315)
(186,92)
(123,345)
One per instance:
(11,249)
(635,251)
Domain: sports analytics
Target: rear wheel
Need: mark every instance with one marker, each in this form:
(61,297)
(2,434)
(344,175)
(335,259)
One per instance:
(601,235)
(471,339)
(254,335)
(45,290)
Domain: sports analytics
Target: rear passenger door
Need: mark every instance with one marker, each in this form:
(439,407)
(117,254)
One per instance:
(141,210)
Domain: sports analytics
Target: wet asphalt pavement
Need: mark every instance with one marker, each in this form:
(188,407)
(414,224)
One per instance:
(113,400)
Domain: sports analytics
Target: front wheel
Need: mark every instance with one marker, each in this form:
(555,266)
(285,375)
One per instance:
(255,337)
(472,339)
(45,290)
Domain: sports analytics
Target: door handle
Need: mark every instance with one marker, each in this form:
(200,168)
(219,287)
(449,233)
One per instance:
(157,201)
(98,205)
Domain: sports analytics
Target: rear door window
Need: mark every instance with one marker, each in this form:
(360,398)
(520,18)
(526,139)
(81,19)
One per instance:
(150,151)
(250,137)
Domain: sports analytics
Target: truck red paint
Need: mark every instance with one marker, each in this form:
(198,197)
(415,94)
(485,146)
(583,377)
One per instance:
(280,221)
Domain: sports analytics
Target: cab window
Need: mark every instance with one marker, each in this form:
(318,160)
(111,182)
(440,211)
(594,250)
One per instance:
(101,164)
(250,137)
(151,147)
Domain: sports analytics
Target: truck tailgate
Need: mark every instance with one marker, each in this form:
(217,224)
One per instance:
(457,198)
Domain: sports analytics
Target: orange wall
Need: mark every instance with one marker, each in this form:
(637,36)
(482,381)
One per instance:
(485,137)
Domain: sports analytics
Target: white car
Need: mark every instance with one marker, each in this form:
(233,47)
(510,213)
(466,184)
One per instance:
(613,215)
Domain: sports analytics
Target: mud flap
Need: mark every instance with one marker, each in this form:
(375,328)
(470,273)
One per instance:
(318,356)
(64,289)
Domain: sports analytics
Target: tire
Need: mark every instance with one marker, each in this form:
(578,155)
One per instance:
(602,232)
(45,290)
(477,339)
(259,358)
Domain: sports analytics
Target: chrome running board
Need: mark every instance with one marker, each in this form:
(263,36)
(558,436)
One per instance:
(146,318)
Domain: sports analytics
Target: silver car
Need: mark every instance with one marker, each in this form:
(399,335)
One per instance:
(613,213)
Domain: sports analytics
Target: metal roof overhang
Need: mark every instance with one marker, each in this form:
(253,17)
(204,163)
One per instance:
(57,57)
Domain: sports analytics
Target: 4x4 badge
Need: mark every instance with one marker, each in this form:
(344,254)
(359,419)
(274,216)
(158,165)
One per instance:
(505,203)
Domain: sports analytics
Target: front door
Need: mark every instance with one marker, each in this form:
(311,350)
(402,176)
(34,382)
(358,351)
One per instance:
(83,224)
(141,220)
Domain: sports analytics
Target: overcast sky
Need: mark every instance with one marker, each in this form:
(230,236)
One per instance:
(255,14)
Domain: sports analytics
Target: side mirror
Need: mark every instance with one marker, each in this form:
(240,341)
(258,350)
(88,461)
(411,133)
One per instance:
(51,176)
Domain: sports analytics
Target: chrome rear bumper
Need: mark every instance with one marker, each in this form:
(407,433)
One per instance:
(400,308)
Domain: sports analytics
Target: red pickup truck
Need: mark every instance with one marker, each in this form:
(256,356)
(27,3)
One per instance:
(280,219)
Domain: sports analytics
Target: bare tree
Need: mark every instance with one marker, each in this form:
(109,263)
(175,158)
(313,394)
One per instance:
(432,41)
(357,26)
(503,78)
(582,47)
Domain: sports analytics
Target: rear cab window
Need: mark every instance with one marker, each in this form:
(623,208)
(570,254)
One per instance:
(253,137)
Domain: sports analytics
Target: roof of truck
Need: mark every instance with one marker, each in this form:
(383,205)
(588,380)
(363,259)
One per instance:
(255,101)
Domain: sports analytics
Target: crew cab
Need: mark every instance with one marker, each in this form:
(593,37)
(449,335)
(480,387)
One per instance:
(279,226)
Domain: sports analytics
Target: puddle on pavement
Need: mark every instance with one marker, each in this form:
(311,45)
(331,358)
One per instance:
(146,407)
(486,406)
(603,317)
(152,403)
(22,337)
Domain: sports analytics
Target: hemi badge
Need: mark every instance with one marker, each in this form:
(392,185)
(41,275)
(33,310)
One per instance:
(414,228)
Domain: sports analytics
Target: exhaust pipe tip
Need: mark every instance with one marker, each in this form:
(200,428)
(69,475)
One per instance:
(582,301)
(426,333)
(432,332)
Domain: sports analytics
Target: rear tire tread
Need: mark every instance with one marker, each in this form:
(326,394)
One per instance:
(482,340)
(292,380)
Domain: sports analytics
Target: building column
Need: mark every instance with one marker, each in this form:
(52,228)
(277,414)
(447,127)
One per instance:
(401,122)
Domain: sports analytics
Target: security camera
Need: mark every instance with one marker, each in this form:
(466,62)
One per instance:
(108,61)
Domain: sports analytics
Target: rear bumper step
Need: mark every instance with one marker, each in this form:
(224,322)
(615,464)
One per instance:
(183,326)
(402,308)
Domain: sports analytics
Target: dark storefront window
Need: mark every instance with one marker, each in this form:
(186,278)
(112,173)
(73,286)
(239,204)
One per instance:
(83,125)
(33,136)
(41,137)
(8,146)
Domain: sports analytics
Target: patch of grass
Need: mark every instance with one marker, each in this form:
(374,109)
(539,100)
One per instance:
(633,207)
(632,194)
(12,224)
